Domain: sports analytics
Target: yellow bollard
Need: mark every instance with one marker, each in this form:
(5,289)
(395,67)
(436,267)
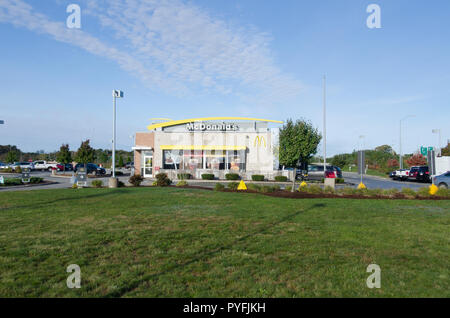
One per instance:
(242,186)
(362,186)
(433,189)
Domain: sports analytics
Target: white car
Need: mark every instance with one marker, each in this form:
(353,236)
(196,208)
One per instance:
(402,174)
(3,165)
(44,165)
(23,165)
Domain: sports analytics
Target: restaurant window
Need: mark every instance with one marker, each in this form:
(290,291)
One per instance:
(192,159)
(236,160)
(172,159)
(215,159)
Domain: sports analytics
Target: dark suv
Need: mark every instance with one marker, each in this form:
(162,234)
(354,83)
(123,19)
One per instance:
(91,168)
(420,173)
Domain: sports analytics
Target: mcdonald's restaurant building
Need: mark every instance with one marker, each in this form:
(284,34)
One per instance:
(217,145)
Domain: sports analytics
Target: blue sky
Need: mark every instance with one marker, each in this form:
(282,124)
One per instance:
(186,59)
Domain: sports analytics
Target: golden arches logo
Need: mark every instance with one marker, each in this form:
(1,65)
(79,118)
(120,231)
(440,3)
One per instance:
(259,141)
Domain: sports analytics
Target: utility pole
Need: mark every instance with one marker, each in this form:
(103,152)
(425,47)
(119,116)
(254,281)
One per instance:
(401,150)
(324,126)
(113,183)
(438,131)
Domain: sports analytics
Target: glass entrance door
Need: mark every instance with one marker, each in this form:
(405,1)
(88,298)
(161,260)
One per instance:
(148,166)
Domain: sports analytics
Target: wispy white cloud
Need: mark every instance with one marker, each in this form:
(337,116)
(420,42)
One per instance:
(171,45)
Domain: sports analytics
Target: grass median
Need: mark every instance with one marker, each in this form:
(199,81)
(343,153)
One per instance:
(177,242)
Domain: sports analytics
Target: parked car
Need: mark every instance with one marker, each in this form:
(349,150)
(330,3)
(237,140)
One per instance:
(419,173)
(401,174)
(44,165)
(443,180)
(3,165)
(23,165)
(91,168)
(315,172)
(64,167)
(129,165)
(392,174)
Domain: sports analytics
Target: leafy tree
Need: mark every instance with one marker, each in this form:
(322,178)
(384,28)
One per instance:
(393,163)
(85,153)
(298,143)
(417,160)
(385,148)
(446,151)
(12,156)
(341,160)
(64,155)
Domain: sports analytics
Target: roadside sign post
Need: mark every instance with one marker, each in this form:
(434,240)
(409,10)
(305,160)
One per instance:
(361,164)
(26,175)
(82,176)
(432,162)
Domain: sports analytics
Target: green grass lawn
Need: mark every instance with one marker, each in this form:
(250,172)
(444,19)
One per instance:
(155,242)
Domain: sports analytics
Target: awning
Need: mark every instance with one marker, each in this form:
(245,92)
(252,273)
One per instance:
(142,148)
(201,147)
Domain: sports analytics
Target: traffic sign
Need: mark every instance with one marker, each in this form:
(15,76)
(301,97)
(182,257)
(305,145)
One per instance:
(425,150)
(2,122)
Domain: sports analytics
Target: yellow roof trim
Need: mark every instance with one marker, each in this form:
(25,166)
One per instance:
(201,147)
(185,121)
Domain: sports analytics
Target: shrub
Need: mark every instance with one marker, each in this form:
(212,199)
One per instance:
(445,193)
(281,179)
(36,180)
(276,188)
(13,182)
(184,176)
(232,176)
(74,186)
(258,177)
(120,184)
(329,190)
(409,192)
(233,185)
(219,187)
(390,192)
(155,183)
(374,192)
(207,176)
(424,192)
(314,189)
(97,183)
(267,189)
(288,188)
(7,170)
(182,183)
(254,187)
(136,180)
(340,180)
(162,180)
(18,170)
(348,191)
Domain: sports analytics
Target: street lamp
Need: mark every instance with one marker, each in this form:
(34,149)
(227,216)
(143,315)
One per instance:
(401,151)
(438,131)
(116,94)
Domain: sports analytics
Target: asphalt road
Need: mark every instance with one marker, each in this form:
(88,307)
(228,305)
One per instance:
(371,182)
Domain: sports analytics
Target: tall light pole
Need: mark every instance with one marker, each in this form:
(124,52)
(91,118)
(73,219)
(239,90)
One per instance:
(401,150)
(324,125)
(361,148)
(116,94)
(438,131)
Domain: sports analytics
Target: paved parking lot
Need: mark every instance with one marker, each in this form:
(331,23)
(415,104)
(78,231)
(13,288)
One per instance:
(352,178)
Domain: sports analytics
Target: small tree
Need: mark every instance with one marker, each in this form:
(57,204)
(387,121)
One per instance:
(417,160)
(12,156)
(446,151)
(298,143)
(85,153)
(64,156)
(120,162)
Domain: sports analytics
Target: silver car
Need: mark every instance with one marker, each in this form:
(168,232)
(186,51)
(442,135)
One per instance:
(442,181)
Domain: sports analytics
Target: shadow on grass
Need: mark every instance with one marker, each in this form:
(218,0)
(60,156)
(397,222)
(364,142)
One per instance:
(40,204)
(208,253)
